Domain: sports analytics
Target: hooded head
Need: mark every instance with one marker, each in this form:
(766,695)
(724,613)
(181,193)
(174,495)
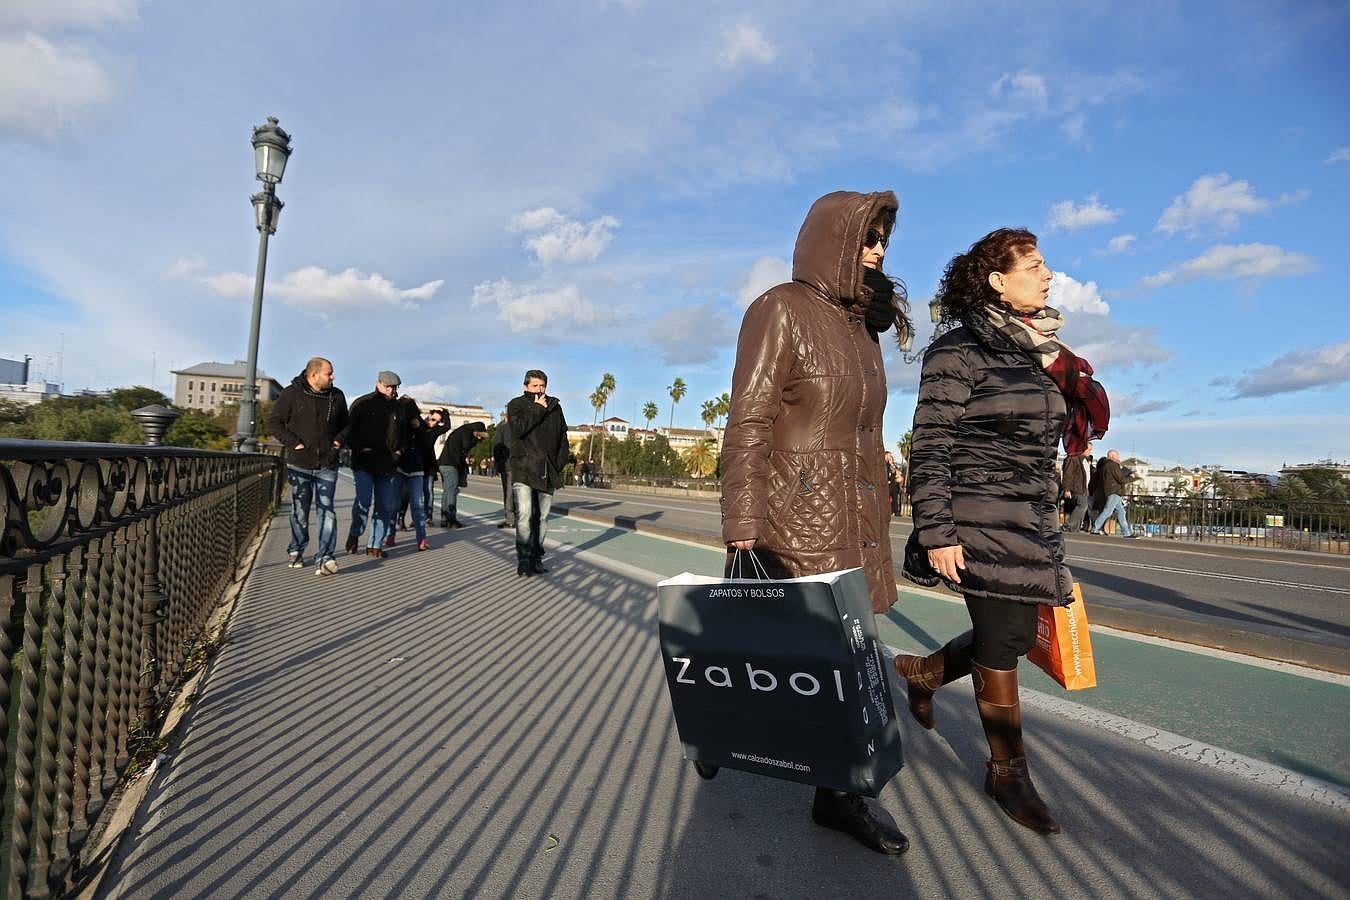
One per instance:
(829,248)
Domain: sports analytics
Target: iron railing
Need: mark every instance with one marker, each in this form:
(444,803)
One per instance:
(1262,522)
(112,559)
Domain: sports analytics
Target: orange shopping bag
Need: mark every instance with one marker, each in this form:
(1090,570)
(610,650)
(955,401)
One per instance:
(1063,646)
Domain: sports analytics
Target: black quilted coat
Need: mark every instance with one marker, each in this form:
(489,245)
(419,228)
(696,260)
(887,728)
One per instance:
(804,471)
(982,467)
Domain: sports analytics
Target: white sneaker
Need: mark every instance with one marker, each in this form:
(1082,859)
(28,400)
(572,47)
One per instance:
(327,567)
(297,562)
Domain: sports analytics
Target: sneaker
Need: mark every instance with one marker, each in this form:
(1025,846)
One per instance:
(424,544)
(327,567)
(297,562)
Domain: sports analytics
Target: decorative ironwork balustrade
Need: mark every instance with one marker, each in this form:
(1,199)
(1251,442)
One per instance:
(112,559)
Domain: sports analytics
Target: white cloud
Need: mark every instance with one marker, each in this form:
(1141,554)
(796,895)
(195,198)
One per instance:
(764,274)
(1307,367)
(45,86)
(1068,216)
(1231,262)
(526,308)
(692,334)
(430,391)
(1075,128)
(557,238)
(1216,203)
(314,288)
(1070,295)
(46,15)
(1339,155)
(1120,243)
(184,267)
(229,284)
(745,42)
(1023,86)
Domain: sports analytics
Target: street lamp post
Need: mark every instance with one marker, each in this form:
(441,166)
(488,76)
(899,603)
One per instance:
(271,149)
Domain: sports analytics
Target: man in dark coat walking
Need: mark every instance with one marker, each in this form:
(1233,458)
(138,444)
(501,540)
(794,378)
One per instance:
(375,434)
(538,447)
(1114,479)
(307,419)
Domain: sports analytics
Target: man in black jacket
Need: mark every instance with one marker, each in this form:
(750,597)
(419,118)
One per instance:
(307,419)
(1074,485)
(375,433)
(1114,479)
(454,465)
(538,445)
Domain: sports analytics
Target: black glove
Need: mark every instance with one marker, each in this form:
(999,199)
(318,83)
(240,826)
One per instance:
(880,311)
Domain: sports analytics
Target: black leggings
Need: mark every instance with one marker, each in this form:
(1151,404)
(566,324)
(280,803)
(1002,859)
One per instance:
(1004,630)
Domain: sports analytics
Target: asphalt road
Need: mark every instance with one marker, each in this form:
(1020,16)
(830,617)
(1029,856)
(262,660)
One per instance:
(1285,605)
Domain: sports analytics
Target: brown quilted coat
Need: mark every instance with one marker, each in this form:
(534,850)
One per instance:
(804,471)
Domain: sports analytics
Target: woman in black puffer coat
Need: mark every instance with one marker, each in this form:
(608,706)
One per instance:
(998,391)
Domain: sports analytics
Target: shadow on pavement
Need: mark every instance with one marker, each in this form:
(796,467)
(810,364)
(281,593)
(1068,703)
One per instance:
(433,726)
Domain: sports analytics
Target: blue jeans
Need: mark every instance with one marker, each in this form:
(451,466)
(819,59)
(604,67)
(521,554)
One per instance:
(1114,504)
(306,484)
(449,491)
(417,503)
(383,492)
(531,521)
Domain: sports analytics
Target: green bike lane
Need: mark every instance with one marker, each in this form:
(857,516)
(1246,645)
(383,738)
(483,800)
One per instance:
(1184,700)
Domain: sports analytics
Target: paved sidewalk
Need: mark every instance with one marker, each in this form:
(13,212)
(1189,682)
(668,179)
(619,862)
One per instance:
(431,726)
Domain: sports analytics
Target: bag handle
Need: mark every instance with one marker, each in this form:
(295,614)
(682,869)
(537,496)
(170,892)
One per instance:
(757,568)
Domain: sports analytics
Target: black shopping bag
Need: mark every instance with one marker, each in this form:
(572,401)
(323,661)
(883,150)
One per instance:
(781,678)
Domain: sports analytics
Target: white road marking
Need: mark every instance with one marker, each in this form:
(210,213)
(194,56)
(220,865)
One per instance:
(1245,579)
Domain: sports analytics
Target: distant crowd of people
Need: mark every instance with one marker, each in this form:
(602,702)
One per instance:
(398,452)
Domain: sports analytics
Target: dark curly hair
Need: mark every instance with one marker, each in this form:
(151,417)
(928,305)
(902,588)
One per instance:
(965,283)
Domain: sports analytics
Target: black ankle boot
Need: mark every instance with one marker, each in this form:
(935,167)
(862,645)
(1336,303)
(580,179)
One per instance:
(536,567)
(523,569)
(848,813)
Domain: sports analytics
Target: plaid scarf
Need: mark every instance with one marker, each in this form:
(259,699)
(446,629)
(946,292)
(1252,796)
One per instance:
(1089,409)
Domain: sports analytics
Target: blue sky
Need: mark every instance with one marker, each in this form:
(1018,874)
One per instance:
(603,185)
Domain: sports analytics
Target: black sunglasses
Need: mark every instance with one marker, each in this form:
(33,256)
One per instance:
(874,237)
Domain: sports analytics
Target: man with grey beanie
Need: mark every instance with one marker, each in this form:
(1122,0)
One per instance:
(374,434)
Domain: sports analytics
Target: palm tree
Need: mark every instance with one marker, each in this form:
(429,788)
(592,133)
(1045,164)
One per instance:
(597,399)
(701,459)
(724,405)
(905,445)
(677,391)
(606,388)
(709,412)
(650,412)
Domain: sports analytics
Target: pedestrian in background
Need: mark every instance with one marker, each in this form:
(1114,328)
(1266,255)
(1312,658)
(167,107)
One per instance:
(1115,479)
(893,483)
(454,468)
(501,461)
(1074,481)
(412,465)
(307,419)
(374,434)
(804,480)
(997,392)
(538,448)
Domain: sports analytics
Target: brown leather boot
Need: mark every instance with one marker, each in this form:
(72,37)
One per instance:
(925,674)
(1008,780)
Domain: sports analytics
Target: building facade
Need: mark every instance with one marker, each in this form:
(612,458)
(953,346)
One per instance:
(212,385)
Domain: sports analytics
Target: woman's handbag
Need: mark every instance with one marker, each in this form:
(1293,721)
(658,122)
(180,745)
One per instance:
(1063,644)
(781,678)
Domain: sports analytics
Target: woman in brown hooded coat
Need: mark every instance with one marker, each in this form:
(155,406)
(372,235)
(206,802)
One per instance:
(804,476)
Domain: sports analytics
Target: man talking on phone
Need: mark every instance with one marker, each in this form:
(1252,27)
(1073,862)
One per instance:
(538,446)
